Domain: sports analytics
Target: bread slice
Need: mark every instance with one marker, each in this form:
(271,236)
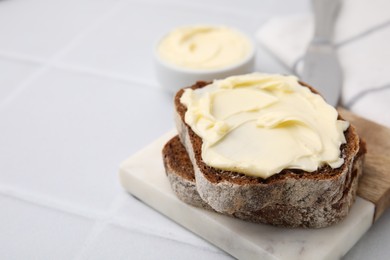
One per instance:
(180,173)
(291,198)
(181,176)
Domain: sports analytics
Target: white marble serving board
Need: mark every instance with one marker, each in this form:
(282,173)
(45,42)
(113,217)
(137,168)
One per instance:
(143,176)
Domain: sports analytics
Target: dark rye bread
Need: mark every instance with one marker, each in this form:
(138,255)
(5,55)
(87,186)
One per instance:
(180,173)
(181,176)
(291,198)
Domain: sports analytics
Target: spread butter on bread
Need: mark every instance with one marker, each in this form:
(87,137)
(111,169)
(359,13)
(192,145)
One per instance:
(310,187)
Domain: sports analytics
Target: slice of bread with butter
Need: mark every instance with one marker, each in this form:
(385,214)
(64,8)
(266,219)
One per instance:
(267,148)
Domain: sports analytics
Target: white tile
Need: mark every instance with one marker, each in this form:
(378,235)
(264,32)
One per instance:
(66,134)
(42,27)
(274,7)
(12,73)
(32,232)
(133,213)
(124,44)
(118,243)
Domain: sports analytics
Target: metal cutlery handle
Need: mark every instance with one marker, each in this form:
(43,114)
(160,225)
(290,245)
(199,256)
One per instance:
(325,13)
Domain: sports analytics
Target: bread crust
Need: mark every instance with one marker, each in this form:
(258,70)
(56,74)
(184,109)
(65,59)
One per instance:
(181,176)
(180,173)
(291,198)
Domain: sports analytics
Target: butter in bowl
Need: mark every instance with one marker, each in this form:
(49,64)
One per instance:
(202,52)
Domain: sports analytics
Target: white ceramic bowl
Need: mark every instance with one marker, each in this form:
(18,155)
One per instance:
(173,78)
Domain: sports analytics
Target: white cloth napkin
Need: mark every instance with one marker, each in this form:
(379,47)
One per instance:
(362,39)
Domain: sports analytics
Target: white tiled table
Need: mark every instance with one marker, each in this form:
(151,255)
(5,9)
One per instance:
(78,96)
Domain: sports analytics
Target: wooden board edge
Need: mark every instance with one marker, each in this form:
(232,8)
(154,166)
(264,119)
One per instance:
(374,185)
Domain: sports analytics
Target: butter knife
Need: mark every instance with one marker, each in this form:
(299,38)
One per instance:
(321,66)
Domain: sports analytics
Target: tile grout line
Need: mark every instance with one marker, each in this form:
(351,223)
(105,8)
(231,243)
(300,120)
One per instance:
(22,57)
(215,8)
(99,226)
(53,59)
(105,74)
(102,219)
(20,87)
(79,69)
(45,201)
(110,219)
(148,231)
